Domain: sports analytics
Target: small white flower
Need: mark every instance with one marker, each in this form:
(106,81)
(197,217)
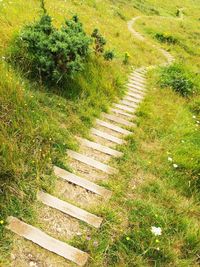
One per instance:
(170,159)
(198,122)
(175,165)
(156,230)
(182,141)
(194,117)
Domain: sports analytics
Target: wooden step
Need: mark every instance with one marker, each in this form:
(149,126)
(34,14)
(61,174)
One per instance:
(47,242)
(69,209)
(112,127)
(142,88)
(136,95)
(131,99)
(134,90)
(91,162)
(136,82)
(121,112)
(128,103)
(101,148)
(82,182)
(107,136)
(117,119)
(137,77)
(125,108)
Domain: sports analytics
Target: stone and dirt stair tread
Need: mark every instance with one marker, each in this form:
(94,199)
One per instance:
(91,162)
(93,153)
(123,113)
(99,147)
(107,136)
(86,171)
(113,127)
(118,120)
(124,107)
(47,242)
(69,209)
(82,182)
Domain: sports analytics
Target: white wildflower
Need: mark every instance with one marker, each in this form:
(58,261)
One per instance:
(156,230)
(175,165)
(194,117)
(170,159)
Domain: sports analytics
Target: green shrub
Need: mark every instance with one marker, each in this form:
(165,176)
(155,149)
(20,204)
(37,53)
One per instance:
(99,40)
(50,53)
(109,55)
(126,58)
(166,38)
(176,77)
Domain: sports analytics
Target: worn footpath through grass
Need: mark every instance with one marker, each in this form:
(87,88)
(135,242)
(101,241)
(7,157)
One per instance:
(149,190)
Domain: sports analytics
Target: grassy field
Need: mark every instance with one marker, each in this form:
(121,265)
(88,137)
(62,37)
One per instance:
(38,125)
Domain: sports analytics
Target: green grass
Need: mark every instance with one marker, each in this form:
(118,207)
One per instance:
(38,125)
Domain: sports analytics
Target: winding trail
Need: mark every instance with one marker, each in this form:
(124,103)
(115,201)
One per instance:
(78,193)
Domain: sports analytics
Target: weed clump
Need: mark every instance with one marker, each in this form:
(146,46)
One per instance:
(50,53)
(176,77)
(166,38)
(99,41)
(109,55)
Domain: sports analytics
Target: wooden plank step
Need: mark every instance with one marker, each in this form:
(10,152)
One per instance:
(138,77)
(91,162)
(131,99)
(101,148)
(123,107)
(142,88)
(47,242)
(128,103)
(69,209)
(134,81)
(107,136)
(113,127)
(121,112)
(82,182)
(134,90)
(118,120)
(136,95)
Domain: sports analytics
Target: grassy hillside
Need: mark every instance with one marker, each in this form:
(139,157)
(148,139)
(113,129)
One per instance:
(38,124)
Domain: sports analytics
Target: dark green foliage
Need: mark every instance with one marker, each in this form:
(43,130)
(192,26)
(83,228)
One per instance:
(50,53)
(178,79)
(165,38)
(126,58)
(43,6)
(99,40)
(109,55)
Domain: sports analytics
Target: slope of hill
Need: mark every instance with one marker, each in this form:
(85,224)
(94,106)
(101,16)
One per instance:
(38,125)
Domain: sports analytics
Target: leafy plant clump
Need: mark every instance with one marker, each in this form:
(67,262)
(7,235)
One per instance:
(109,55)
(178,79)
(50,53)
(166,38)
(99,41)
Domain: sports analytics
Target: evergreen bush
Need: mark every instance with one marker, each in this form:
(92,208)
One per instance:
(50,53)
